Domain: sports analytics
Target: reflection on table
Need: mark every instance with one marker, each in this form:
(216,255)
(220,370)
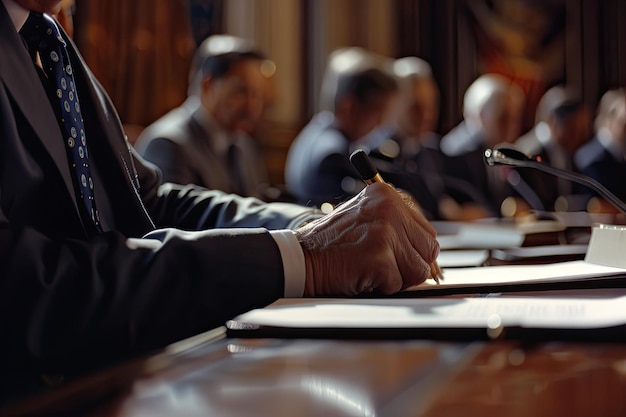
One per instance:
(264,377)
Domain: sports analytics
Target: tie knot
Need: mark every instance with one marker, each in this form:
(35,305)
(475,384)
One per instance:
(41,32)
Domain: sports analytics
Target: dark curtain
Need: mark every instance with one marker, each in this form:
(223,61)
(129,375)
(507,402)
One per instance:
(140,50)
(432,30)
(206,18)
(581,43)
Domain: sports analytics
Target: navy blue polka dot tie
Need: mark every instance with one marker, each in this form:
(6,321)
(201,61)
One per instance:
(42,35)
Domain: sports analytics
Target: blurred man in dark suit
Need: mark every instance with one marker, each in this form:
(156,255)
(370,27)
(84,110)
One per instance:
(318,169)
(492,114)
(603,157)
(410,157)
(555,141)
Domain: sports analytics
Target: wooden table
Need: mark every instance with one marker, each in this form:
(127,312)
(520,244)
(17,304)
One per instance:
(212,375)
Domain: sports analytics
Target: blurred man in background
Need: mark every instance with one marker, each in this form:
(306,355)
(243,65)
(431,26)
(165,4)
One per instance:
(492,115)
(602,158)
(410,157)
(207,141)
(555,141)
(318,169)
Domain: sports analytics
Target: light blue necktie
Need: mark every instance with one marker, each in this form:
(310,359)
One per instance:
(42,35)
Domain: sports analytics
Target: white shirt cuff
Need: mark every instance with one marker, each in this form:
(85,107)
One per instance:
(293,261)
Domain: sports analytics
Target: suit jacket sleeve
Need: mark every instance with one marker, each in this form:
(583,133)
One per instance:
(191,207)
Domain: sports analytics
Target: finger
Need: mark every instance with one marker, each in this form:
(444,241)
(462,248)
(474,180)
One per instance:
(409,223)
(419,217)
(389,278)
(399,203)
(416,237)
(411,264)
(400,266)
(380,265)
(416,213)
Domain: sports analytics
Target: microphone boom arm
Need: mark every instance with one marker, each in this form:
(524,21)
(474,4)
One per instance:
(512,157)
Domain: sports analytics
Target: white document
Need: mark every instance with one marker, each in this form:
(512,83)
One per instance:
(521,274)
(606,256)
(479,312)
(462,258)
(482,238)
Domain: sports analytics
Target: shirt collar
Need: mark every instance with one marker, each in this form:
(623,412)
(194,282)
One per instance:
(17,13)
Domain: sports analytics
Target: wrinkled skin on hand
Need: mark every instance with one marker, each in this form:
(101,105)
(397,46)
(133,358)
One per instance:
(378,241)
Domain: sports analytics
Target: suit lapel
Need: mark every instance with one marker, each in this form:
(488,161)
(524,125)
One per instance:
(19,75)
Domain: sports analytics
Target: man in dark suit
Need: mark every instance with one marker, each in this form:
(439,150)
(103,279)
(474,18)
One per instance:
(491,115)
(318,168)
(603,157)
(410,158)
(210,145)
(555,142)
(74,296)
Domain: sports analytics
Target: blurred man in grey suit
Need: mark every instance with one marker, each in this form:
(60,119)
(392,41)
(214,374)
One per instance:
(207,140)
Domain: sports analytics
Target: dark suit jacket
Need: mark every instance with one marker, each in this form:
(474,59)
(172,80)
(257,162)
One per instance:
(418,173)
(468,178)
(595,161)
(182,145)
(318,167)
(70,299)
(547,187)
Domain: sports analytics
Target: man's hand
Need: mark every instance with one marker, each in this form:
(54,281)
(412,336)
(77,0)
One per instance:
(376,241)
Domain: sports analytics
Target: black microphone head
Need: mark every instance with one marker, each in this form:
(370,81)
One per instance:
(489,157)
(363,165)
(509,151)
(506,154)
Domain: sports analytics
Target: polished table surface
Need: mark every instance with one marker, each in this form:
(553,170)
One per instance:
(279,377)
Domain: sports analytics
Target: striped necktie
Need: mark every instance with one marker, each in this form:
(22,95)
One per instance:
(42,35)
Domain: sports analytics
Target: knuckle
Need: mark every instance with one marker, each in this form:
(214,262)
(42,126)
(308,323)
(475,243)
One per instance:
(430,251)
(391,287)
(420,273)
(381,235)
(421,270)
(382,267)
(435,249)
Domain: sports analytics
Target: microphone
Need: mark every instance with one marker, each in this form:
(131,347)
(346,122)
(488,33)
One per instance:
(507,155)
